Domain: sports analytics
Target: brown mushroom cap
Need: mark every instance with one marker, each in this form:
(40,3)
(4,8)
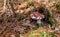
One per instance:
(36,15)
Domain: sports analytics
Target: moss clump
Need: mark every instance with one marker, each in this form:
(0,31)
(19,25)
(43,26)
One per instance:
(21,17)
(37,33)
(46,34)
(49,15)
(30,4)
(51,21)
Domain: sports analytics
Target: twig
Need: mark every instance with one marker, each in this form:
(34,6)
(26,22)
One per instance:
(12,8)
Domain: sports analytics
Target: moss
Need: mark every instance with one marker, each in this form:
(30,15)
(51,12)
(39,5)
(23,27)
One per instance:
(49,15)
(46,34)
(30,4)
(21,17)
(37,33)
(51,21)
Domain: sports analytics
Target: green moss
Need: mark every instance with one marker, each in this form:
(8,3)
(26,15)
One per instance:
(41,34)
(30,4)
(49,15)
(21,17)
(46,34)
(51,21)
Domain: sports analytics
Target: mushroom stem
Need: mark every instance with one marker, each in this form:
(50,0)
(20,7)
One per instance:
(39,21)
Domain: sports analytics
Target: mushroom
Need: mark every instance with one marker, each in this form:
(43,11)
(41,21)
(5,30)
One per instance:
(37,16)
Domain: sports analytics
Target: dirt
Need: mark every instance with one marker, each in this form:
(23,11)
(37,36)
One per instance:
(22,18)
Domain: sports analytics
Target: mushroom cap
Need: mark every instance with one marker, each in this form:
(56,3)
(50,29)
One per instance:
(36,15)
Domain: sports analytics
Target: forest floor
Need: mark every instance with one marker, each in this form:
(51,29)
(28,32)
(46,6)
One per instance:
(23,19)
